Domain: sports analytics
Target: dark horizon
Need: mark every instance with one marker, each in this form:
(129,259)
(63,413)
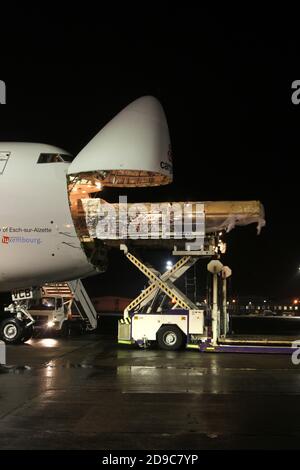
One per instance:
(226,90)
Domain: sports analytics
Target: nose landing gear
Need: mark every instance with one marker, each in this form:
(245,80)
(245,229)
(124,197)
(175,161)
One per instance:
(18,327)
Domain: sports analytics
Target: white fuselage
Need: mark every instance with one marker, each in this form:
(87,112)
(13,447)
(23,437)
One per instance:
(40,193)
(38,241)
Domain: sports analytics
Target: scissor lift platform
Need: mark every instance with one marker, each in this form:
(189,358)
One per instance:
(145,319)
(148,319)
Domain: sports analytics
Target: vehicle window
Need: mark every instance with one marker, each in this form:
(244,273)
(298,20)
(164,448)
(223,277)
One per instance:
(45,303)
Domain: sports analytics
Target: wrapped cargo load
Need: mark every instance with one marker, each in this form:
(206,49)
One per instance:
(147,222)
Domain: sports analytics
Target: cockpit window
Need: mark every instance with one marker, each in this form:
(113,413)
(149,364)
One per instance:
(55,158)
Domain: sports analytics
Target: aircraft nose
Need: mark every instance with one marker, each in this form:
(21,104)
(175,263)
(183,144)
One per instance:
(133,149)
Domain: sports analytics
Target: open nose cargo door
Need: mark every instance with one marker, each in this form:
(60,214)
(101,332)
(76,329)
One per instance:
(132,150)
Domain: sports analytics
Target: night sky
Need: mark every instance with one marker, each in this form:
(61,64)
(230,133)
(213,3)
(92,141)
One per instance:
(224,81)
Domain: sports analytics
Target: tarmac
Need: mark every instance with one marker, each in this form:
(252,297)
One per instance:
(91,393)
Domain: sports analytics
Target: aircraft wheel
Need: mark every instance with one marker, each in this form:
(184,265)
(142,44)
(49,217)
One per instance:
(11,330)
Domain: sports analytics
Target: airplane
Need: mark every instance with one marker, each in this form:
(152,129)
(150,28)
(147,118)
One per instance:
(42,231)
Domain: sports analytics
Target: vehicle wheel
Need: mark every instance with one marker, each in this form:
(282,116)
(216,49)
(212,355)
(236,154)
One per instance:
(65,329)
(79,328)
(170,337)
(11,330)
(28,334)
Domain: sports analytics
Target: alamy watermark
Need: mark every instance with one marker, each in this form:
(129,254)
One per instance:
(2,353)
(177,220)
(296,353)
(2,92)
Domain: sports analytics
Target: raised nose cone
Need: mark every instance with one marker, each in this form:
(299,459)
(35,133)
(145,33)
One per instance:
(132,150)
